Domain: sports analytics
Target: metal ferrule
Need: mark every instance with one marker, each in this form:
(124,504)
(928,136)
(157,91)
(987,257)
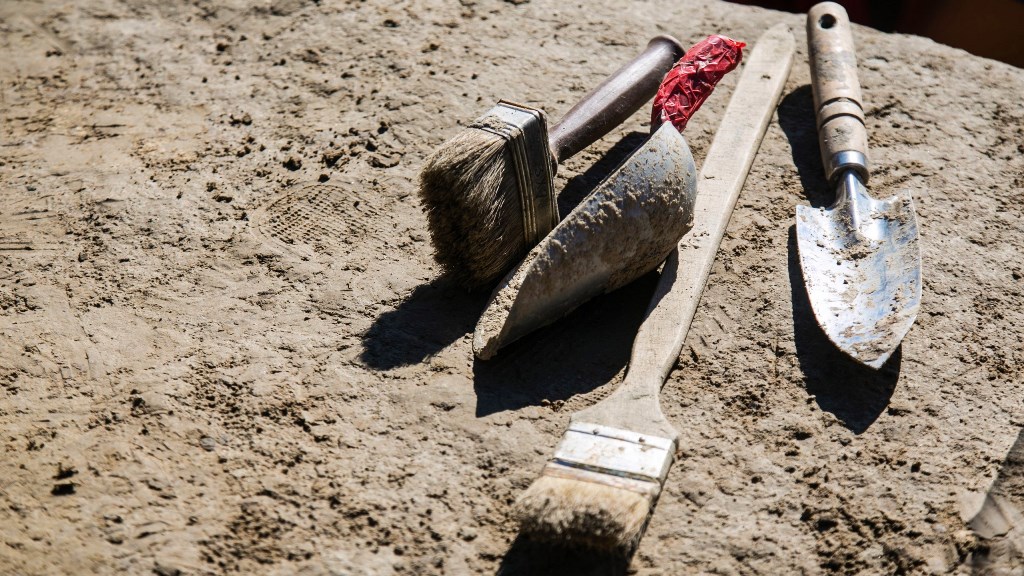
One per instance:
(840,162)
(526,131)
(613,456)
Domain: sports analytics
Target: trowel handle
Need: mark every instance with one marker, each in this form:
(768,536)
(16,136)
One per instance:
(837,99)
(616,99)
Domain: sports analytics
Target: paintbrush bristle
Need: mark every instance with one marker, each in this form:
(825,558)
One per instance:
(586,514)
(468,187)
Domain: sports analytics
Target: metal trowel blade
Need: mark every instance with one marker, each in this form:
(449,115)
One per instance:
(621,231)
(862,268)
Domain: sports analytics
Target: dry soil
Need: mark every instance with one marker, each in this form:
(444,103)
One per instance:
(224,346)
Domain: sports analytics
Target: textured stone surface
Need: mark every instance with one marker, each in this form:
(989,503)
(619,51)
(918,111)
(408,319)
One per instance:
(181,388)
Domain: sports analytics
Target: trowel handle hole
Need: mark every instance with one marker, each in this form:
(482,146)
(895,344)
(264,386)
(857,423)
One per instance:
(827,21)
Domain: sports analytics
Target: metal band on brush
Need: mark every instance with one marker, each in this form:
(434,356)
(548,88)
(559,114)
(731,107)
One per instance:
(525,130)
(616,452)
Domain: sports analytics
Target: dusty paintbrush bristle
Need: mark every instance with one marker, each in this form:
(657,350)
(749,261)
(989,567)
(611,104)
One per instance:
(587,514)
(469,189)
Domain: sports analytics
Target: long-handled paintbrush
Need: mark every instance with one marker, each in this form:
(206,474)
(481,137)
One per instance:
(488,192)
(607,473)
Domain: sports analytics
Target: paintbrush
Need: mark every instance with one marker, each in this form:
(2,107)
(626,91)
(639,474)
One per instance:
(489,191)
(601,487)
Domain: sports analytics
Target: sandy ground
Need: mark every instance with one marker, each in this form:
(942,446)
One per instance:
(224,346)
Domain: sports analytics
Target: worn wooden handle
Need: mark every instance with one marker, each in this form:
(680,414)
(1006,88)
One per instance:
(634,405)
(837,97)
(616,99)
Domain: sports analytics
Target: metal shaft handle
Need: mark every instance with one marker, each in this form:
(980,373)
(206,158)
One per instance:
(837,98)
(616,99)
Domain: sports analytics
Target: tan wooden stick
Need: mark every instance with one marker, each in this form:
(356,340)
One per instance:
(634,405)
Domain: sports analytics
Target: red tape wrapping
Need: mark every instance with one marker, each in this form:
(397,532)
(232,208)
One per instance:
(689,83)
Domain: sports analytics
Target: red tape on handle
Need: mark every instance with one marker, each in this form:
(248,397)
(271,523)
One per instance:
(689,83)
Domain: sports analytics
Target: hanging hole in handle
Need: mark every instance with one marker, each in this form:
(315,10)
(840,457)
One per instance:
(827,21)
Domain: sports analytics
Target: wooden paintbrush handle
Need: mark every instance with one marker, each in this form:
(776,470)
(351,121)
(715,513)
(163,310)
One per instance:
(616,99)
(634,405)
(837,99)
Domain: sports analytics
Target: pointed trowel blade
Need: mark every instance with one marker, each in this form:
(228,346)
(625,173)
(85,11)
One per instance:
(621,231)
(862,268)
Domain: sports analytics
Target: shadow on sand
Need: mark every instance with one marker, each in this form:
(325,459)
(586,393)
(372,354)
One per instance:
(999,524)
(796,118)
(432,317)
(529,558)
(574,355)
(440,312)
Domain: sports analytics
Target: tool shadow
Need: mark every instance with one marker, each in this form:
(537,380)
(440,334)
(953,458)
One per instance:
(440,312)
(854,393)
(999,523)
(526,557)
(797,120)
(432,317)
(572,356)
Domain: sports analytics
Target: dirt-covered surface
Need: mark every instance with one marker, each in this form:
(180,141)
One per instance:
(211,361)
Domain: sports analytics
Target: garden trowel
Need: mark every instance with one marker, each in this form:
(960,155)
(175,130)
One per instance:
(860,257)
(622,230)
